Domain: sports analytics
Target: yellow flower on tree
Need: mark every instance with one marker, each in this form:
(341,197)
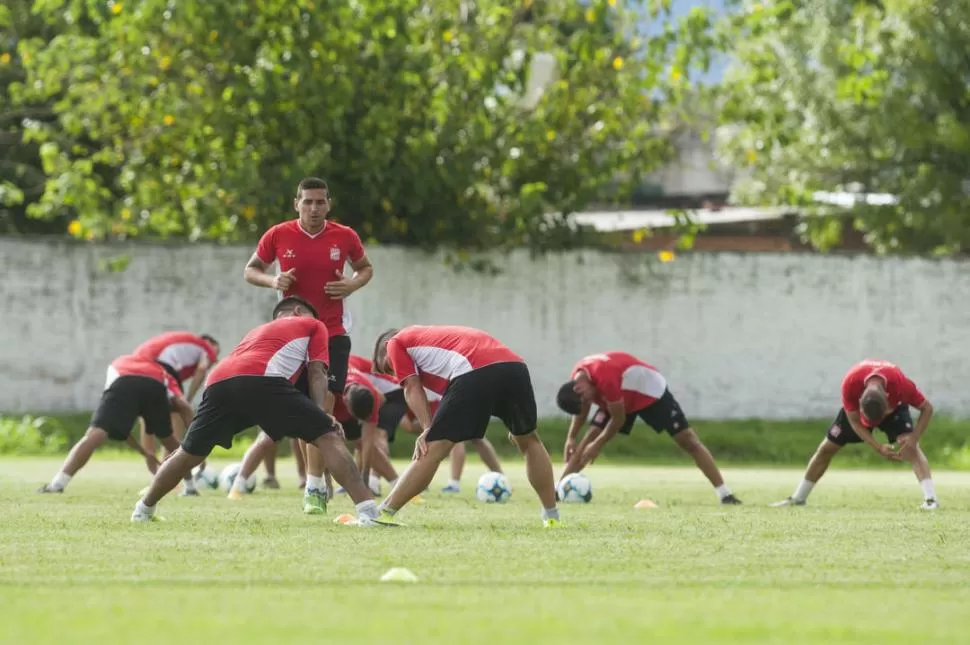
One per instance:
(638,236)
(590,15)
(4,58)
(116,8)
(74,228)
(666,256)
(448,36)
(168,119)
(618,63)
(550,135)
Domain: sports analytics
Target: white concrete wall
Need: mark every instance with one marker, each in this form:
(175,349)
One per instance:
(737,335)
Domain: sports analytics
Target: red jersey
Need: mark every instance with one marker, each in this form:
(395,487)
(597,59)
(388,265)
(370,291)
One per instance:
(180,350)
(383,382)
(131,365)
(317,259)
(440,353)
(354,377)
(899,389)
(618,376)
(282,347)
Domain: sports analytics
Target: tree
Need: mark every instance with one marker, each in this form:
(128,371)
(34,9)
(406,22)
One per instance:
(870,97)
(198,118)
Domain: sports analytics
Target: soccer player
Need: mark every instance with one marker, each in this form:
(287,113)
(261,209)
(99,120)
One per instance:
(359,410)
(477,377)
(254,385)
(623,388)
(134,387)
(311,252)
(392,411)
(875,394)
(183,355)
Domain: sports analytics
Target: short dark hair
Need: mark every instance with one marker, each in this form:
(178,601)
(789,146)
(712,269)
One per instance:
(290,303)
(311,183)
(381,340)
(361,402)
(209,338)
(568,398)
(873,405)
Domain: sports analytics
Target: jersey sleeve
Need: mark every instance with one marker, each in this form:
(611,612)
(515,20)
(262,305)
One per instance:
(400,360)
(318,349)
(266,249)
(910,394)
(210,351)
(850,396)
(356,249)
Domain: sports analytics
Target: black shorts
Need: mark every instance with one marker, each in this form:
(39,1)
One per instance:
(128,398)
(391,413)
(339,349)
(897,423)
(235,404)
(502,390)
(171,370)
(663,415)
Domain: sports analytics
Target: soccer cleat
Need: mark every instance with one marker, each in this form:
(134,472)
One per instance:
(730,499)
(386,519)
(144,517)
(315,502)
(189,492)
(551,523)
(271,483)
(451,489)
(340,491)
(234,494)
(47,488)
(929,505)
(788,501)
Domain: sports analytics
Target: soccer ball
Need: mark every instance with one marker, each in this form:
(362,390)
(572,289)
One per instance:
(208,477)
(575,489)
(493,488)
(228,475)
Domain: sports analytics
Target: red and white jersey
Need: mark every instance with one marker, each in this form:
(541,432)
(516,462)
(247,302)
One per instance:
(385,383)
(317,260)
(438,354)
(354,377)
(619,376)
(131,365)
(899,389)
(282,347)
(180,350)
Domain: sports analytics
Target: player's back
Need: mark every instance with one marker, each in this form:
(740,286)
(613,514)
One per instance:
(479,348)
(276,348)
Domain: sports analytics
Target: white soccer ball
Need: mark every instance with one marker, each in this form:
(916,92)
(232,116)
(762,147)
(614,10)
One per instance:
(493,488)
(208,477)
(228,476)
(575,489)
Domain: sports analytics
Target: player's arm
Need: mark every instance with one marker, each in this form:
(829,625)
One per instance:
(576,424)
(368,444)
(150,460)
(855,420)
(363,272)
(925,414)
(198,378)
(617,414)
(183,408)
(257,273)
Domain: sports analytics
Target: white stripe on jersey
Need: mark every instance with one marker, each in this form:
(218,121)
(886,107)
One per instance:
(383,385)
(444,363)
(111,376)
(289,359)
(181,355)
(642,379)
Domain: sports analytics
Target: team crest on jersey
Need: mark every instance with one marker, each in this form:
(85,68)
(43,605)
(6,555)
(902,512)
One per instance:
(334,253)
(289,253)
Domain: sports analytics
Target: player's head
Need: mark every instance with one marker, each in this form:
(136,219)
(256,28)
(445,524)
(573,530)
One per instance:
(360,401)
(312,201)
(874,403)
(380,363)
(568,398)
(212,341)
(293,306)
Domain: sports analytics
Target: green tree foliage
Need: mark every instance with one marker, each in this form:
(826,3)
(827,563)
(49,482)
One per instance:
(197,118)
(830,95)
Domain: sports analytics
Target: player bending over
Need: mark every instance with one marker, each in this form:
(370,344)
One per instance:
(254,385)
(875,394)
(623,388)
(477,377)
(135,387)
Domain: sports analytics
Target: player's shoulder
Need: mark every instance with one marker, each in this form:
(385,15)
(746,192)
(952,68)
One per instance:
(336,228)
(288,226)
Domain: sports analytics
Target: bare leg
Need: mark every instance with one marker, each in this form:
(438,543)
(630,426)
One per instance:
(174,470)
(255,454)
(83,449)
(538,466)
(147,441)
(269,459)
(457,461)
(300,457)
(487,452)
(821,459)
(690,443)
(418,475)
(337,459)
(921,467)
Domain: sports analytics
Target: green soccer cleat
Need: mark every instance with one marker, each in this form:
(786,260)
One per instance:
(137,518)
(386,519)
(315,502)
(551,523)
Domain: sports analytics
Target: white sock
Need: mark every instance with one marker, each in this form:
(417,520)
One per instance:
(314,483)
(550,513)
(455,483)
(929,491)
(367,509)
(239,483)
(142,509)
(801,493)
(190,484)
(722,491)
(60,481)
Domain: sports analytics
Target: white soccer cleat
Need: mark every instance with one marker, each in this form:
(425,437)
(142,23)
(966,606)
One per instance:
(929,505)
(788,501)
(144,517)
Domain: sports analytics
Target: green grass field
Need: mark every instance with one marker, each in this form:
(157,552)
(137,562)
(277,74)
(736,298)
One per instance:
(860,565)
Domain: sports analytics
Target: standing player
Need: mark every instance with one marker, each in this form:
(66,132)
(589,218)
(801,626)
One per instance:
(254,385)
(311,252)
(623,388)
(135,387)
(477,377)
(875,394)
(183,355)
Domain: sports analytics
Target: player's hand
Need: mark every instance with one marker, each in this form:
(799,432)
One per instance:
(285,280)
(908,445)
(339,288)
(888,452)
(421,445)
(339,429)
(569,449)
(152,462)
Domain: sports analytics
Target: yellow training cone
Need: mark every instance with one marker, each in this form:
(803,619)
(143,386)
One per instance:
(345,518)
(399,574)
(645,503)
